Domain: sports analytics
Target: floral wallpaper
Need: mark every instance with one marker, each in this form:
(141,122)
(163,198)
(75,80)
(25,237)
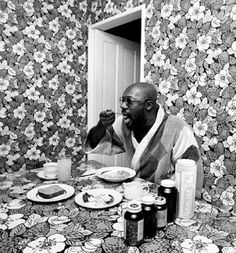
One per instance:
(43,81)
(190,50)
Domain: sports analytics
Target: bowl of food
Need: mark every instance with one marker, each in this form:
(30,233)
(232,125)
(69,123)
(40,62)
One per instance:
(115,173)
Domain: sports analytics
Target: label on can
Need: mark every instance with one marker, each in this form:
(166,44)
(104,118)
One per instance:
(161,218)
(186,195)
(133,231)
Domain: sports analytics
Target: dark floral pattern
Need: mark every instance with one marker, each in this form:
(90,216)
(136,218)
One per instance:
(28,227)
(190,54)
(42,82)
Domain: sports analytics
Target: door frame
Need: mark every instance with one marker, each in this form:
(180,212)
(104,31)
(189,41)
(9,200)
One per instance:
(117,20)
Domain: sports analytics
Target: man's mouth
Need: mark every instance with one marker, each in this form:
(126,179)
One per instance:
(126,118)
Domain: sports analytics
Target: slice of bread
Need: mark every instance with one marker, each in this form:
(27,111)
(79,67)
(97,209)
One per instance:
(50,191)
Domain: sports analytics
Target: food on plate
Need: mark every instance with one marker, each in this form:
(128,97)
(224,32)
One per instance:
(99,199)
(119,174)
(51,191)
(86,197)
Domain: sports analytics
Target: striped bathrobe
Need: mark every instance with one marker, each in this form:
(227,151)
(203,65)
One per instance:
(154,158)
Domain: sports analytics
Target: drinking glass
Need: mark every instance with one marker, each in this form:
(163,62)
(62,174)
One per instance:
(50,170)
(64,168)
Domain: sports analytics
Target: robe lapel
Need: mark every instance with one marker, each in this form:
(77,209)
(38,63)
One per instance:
(135,163)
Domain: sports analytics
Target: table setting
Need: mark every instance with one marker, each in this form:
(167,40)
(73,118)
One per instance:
(40,211)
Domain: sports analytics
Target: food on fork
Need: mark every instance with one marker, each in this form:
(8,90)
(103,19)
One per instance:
(51,191)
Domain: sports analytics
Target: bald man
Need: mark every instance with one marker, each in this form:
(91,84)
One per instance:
(152,139)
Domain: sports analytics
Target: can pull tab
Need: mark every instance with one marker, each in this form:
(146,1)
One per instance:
(160,200)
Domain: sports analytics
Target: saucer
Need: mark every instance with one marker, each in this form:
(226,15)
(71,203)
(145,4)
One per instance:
(41,175)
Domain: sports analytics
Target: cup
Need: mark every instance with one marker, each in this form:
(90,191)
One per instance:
(64,168)
(50,170)
(135,190)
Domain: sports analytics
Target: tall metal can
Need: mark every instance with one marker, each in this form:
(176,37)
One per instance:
(168,190)
(134,224)
(150,219)
(161,212)
(185,177)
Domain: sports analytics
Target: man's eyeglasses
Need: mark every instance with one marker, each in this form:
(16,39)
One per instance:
(129,101)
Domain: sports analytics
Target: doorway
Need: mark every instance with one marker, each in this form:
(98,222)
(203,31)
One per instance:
(115,60)
(130,31)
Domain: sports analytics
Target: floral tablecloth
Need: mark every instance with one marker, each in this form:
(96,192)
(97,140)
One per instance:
(64,226)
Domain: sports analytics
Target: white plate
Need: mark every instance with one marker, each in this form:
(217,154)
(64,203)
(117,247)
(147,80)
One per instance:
(33,194)
(98,197)
(115,174)
(41,175)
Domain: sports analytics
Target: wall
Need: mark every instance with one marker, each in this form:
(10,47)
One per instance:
(43,81)
(190,56)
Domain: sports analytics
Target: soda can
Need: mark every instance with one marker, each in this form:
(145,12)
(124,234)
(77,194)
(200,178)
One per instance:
(150,219)
(161,212)
(133,224)
(168,190)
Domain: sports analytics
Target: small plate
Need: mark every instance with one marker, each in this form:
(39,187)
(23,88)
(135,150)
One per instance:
(33,194)
(98,198)
(41,175)
(115,174)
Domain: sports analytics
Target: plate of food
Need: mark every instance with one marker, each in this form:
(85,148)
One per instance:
(50,193)
(98,198)
(115,174)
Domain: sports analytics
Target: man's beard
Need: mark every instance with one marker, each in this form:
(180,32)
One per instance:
(136,123)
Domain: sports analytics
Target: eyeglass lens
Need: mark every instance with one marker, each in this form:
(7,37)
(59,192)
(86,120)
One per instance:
(127,100)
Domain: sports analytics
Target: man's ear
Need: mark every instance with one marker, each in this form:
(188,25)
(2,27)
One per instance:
(149,105)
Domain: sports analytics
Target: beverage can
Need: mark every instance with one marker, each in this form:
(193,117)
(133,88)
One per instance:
(168,190)
(150,219)
(185,178)
(161,212)
(133,224)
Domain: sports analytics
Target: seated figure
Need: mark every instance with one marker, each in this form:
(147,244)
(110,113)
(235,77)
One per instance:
(152,139)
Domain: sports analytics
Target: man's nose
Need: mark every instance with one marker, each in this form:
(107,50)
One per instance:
(123,105)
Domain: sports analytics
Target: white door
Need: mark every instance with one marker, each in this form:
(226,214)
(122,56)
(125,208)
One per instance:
(114,63)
